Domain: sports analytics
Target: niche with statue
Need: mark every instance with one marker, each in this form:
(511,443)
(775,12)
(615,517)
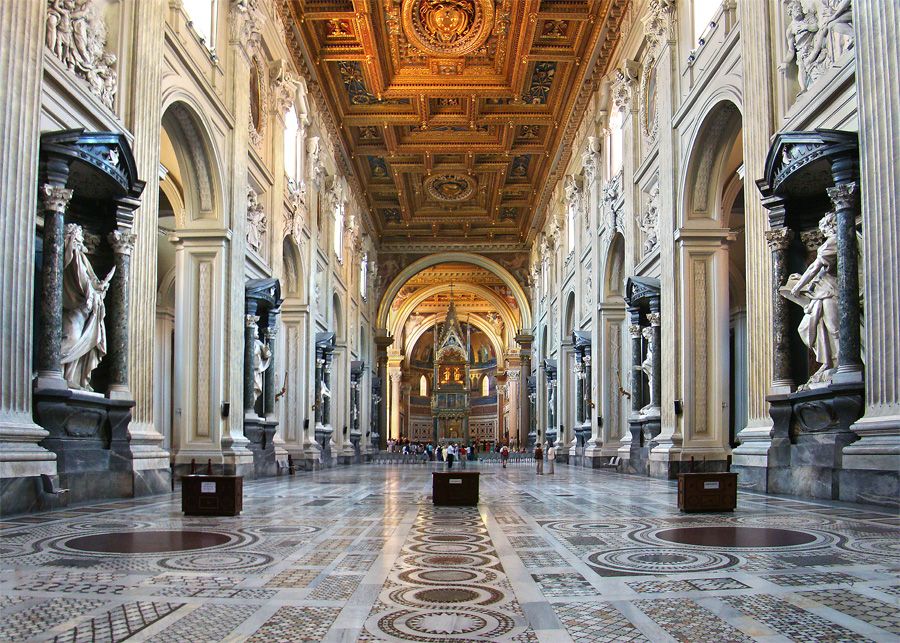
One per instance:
(88,193)
(262,305)
(811,190)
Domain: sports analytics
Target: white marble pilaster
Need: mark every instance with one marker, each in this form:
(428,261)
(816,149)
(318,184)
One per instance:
(142,109)
(758,116)
(875,458)
(22,30)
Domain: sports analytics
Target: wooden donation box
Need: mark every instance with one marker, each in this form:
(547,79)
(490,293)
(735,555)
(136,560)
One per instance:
(459,488)
(707,491)
(207,495)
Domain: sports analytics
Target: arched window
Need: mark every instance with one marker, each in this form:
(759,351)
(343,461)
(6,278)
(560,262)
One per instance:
(291,126)
(423,386)
(486,386)
(363,275)
(203,20)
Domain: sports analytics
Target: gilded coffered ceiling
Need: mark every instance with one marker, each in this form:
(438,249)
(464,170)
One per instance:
(455,115)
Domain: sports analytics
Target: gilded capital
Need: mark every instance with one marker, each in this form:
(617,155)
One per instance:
(634,330)
(250,320)
(653,318)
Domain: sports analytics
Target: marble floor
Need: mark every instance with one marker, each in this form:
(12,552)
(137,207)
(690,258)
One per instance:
(361,554)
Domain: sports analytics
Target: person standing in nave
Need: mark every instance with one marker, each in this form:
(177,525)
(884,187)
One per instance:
(539,459)
(551,458)
(451,455)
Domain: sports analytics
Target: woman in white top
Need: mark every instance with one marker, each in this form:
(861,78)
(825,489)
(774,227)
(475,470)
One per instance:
(551,457)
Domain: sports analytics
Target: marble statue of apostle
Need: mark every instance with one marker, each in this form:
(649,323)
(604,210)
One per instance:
(647,364)
(816,291)
(262,355)
(83,329)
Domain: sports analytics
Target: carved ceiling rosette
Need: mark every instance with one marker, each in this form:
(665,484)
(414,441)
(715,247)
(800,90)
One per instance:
(450,188)
(447,28)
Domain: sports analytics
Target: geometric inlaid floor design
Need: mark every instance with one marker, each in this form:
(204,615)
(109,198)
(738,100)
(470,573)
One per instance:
(361,554)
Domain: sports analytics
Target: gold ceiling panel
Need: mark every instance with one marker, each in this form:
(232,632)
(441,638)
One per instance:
(454,113)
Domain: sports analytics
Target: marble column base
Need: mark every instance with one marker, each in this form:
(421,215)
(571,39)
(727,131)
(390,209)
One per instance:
(871,466)
(261,433)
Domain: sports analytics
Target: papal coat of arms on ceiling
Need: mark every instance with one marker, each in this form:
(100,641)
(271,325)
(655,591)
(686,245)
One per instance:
(450,187)
(448,27)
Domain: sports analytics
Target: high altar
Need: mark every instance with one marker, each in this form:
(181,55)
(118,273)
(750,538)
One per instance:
(450,400)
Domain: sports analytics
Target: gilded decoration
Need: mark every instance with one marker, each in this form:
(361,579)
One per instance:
(450,188)
(447,27)
(489,90)
(541,82)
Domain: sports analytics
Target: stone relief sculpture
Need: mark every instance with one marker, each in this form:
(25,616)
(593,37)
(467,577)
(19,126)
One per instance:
(649,222)
(296,214)
(256,221)
(84,311)
(316,168)
(816,292)
(817,36)
(262,357)
(76,35)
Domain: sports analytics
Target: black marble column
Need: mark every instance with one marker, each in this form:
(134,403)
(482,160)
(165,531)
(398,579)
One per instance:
(636,382)
(586,415)
(326,401)
(655,345)
(844,197)
(122,243)
(54,200)
(269,378)
(579,391)
(779,240)
(320,363)
(250,332)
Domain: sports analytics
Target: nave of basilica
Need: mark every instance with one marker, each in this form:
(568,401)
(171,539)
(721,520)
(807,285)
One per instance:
(308,245)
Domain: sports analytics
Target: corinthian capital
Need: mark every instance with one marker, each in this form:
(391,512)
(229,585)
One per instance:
(55,198)
(843,195)
(634,330)
(122,241)
(779,238)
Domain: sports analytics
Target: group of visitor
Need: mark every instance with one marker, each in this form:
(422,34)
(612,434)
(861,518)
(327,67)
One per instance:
(539,458)
(427,451)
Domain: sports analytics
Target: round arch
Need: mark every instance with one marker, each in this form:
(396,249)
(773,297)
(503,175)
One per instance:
(198,160)
(294,280)
(418,266)
(710,144)
(424,293)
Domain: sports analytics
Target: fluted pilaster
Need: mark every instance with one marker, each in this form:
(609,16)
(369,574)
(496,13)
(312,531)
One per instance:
(21,58)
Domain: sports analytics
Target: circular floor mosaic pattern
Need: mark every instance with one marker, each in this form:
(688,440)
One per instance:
(147,542)
(752,537)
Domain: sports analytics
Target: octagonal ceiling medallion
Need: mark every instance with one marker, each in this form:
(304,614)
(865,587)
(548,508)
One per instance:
(450,188)
(448,27)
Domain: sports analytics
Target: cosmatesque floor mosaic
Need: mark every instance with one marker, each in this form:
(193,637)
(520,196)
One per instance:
(361,554)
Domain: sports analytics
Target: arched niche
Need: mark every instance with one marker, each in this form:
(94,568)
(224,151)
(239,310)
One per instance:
(569,317)
(614,269)
(384,307)
(716,151)
(337,318)
(293,278)
(195,172)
